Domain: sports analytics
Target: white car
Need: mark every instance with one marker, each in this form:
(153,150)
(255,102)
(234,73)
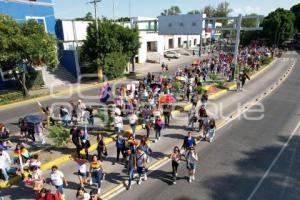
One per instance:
(172,54)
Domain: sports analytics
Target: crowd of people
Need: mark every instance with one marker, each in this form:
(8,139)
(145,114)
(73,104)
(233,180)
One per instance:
(149,102)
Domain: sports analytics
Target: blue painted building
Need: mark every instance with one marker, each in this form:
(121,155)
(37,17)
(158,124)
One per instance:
(21,10)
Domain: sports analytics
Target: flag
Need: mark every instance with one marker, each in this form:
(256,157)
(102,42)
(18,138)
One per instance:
(104,93)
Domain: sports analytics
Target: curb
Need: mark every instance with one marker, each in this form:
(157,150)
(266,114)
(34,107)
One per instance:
(76,88)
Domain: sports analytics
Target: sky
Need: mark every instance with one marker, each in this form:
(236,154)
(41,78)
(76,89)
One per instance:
(69,9)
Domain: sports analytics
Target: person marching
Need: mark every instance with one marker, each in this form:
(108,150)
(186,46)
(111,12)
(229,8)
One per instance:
(191,159)
(96,172)
(211,130)
(58,179)
(189,141)
(131,166)
(101,147)
(158,125)
(167,111)
(82,170)
(175,156)
(141,160)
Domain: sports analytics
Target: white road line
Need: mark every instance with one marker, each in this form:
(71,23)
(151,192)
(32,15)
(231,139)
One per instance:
(273,163)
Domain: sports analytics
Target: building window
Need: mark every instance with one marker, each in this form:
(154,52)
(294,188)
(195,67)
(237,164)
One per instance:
(39,20)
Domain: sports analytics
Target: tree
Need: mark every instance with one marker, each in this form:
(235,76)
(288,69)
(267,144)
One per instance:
(209,11)
(249,22)
(87,17)
(10,46)
(123,19)
(223,10)
(24,45)
(112,48)
(248,36)
(296,10)
(194,12)
(173,10)
(278,26)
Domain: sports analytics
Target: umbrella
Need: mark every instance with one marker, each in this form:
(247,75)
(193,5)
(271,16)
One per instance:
(180,78)
(167,98)
(34,119)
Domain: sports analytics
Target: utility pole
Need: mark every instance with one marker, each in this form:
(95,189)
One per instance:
(237,43)
(99,68)
(114,10)
(95,2)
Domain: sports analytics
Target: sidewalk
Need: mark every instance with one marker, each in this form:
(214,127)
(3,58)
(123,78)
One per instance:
(174,135)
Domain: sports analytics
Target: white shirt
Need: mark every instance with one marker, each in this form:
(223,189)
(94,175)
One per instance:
(140,159)
(191,157)
(82,168)
(86,196)
(5,160)
(57,178)
(118,121)
(132,119)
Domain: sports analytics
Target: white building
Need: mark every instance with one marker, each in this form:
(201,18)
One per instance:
(152,47)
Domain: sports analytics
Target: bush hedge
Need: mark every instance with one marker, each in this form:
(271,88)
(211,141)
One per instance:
(265,60)
(9,96)
(34,80)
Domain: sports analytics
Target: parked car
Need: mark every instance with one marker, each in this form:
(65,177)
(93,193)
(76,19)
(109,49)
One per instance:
(172,54)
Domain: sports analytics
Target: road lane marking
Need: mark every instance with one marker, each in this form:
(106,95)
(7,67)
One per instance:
(273,163)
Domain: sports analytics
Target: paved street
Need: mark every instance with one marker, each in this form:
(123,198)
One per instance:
(172,137)
(245,156)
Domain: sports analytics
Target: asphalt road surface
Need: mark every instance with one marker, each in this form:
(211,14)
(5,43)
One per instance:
(248,160)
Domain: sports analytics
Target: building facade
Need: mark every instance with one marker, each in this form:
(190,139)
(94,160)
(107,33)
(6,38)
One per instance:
(21,10)
(73,33)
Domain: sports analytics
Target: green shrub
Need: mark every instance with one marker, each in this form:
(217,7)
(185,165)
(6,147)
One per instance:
(220,84)
(115,64)
(9,96)
(105,116)
(265,60)
(176,86)
(199,89)
(34,80)
(59,134)
(247,70)
(213,77)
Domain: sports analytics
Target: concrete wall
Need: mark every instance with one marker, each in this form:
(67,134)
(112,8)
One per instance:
(69,60)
